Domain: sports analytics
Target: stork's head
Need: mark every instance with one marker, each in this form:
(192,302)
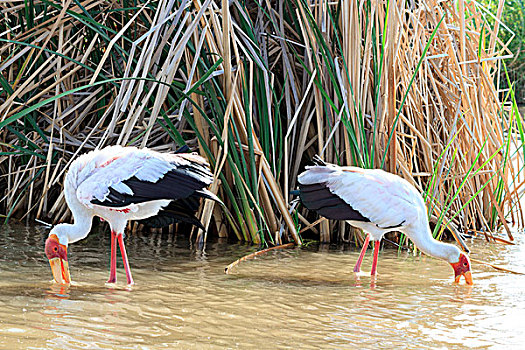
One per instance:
(56,252)
(462,268)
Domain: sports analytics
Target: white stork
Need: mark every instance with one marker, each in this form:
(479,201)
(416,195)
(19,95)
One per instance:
(376,202)
(119,184)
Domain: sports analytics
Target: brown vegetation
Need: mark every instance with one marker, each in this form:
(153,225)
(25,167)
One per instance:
(259,88)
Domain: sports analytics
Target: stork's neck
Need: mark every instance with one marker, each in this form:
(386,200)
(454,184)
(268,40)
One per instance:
(421,235)
(82,216)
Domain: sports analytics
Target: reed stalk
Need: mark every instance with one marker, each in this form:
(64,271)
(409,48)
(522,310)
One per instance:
(259,88)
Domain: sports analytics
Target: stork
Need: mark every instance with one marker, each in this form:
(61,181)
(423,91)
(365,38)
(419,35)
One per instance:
(119,184)
(376,202)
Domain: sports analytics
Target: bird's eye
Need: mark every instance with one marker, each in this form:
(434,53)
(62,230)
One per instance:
(55,249)
(465,264)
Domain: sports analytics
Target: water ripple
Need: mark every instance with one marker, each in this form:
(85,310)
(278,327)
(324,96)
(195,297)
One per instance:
(302,298)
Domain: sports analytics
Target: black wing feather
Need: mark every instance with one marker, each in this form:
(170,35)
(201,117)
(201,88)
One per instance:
(179,183)
(184,186)
(319,198)
(182,210)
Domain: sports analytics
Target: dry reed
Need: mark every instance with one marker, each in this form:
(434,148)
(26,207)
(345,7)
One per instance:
(259,88)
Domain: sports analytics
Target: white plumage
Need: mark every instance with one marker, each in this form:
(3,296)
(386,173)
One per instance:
(385,199)
(126,183)
(97,171)
(377,202)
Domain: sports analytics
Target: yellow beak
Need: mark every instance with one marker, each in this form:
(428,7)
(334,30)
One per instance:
(60,269)
(468,278)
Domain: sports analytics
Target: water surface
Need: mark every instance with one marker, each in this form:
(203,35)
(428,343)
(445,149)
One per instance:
(298,298)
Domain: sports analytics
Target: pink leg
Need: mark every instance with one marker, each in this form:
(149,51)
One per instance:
(113,264)
(357,266)
(376,254)
(125,258)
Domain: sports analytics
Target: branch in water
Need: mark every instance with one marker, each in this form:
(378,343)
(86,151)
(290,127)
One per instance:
(497,267)
(228,269)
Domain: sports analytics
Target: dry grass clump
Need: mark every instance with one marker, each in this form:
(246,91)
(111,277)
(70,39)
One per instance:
(259,88)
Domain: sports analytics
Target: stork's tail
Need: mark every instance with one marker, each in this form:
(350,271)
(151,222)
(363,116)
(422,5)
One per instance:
(318,161)
(178,211)
(295,193)
(204,193)
(183,149)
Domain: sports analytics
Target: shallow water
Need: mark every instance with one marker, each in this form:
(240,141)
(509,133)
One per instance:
(299,298)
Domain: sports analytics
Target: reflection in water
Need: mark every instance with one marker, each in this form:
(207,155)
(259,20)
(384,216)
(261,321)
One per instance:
(297,298)
(58,291)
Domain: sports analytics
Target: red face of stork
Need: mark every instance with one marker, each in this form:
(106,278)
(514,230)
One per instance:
(462,268)
(57,255)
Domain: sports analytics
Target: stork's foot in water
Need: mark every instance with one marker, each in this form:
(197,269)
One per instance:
(376,254)
(125,258)
(113,263)
(357,267)
(359,274)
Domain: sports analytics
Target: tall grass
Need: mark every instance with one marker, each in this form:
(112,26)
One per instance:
(258,88)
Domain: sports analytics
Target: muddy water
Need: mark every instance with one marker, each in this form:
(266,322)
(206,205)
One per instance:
(303,298)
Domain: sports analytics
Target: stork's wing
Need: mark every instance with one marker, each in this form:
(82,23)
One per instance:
(137,176)
(182,210)
(318,197)
(348,193)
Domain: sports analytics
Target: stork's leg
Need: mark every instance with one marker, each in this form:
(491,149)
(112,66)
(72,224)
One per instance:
(113,263)
(124,258)
(374,262)
(357,267)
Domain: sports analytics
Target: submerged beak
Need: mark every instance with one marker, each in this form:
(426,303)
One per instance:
(468,278)
(60,269)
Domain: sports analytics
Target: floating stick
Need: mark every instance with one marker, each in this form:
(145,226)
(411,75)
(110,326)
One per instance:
(497,267)
(253,255)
